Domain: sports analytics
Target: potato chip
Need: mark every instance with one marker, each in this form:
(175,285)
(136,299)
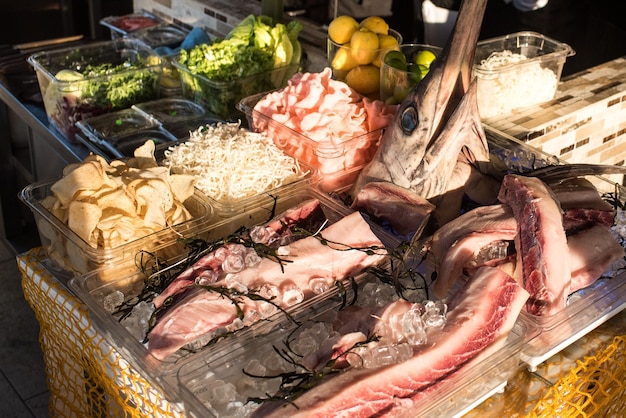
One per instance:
(111,204)
(182,186)
(117,200)
(83,219)
(89,176)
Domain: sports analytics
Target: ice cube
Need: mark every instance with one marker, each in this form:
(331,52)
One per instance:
(112,301)
(319,285)
(413,328)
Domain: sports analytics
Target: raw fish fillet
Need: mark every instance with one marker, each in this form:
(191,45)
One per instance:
(310,265)
(541,244)
(482,314)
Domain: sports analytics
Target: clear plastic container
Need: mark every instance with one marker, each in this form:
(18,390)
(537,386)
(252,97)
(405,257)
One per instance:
(163,35)
(326,158)
(93,288)
(262,352)
(71,255)
(221,97)
(119,133)
(123,25)
(511,83)
(70,96)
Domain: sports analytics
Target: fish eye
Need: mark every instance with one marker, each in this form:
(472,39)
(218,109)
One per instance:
(408,121)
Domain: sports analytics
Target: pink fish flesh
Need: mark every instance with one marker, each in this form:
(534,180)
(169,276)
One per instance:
(307,215)
(404,210)
(482,314)
(310,266)
(540,243)
(591,253)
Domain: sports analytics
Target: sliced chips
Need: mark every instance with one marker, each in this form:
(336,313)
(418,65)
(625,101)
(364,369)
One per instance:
(108,205)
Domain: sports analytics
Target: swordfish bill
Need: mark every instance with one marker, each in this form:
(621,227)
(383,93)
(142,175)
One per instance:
(438,123)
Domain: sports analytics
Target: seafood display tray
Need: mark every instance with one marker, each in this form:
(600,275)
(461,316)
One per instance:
(80,257)
(199,378)
(91,288)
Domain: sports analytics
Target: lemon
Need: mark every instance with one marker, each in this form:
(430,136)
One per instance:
(424,57)
(69,75)
(343,60)
(364,44)
(365,79)
(341,28)
(376,24)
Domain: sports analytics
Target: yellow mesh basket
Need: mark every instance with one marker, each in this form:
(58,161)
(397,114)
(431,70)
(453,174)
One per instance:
(86,376)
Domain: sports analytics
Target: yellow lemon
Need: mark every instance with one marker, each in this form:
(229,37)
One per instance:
(376,24)
(69,75)
(341,28)
(365,79)
(386,43)
(364,44)
(343,60)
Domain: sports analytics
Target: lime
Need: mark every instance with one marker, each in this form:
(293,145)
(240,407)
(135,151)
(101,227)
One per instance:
(424,57)
(417,73)
(395,59)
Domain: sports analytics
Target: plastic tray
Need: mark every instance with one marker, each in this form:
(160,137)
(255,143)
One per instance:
(72,97)
(326,158)
(178,116)
(202,379)
(79,257)
(221,97)
(91,288)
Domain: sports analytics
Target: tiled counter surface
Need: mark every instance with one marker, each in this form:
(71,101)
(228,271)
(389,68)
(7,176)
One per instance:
(585,123)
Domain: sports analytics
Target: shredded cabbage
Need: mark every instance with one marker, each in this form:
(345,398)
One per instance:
(232,163)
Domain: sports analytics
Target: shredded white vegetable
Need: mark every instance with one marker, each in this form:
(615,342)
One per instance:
(518,86)
(232,163)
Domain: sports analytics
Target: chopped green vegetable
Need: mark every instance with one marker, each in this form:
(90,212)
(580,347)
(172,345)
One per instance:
(256,46)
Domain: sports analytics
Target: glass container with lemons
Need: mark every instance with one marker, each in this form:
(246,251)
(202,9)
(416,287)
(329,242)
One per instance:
(355,50)
(402,69)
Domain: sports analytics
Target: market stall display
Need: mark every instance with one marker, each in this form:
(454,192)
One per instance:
(292,302)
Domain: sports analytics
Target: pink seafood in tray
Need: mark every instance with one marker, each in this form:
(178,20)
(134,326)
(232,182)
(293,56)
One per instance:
(335,127)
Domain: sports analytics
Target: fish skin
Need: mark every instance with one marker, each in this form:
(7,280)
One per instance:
(438,125)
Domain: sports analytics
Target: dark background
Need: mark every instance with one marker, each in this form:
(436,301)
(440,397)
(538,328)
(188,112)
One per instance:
(34,20)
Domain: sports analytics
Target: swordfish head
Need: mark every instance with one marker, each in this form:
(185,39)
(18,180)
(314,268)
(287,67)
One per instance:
(436,130)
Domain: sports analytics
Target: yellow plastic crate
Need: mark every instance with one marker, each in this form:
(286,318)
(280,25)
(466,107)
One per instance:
(86,376)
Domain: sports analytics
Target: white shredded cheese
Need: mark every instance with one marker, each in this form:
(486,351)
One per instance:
(232,163)
(501,90)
